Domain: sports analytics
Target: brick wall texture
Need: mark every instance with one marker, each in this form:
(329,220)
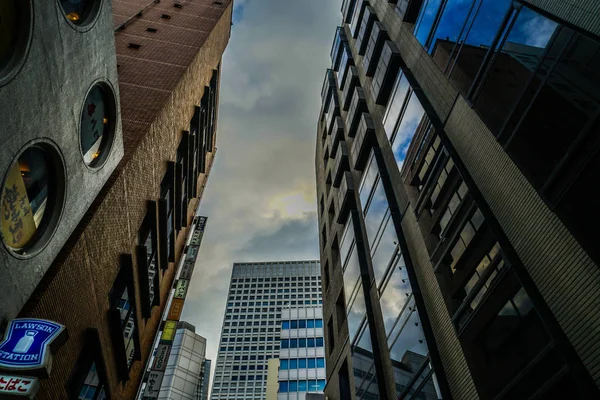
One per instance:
(159,85)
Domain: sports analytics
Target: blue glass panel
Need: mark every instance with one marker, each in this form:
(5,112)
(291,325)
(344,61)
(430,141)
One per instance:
(310,323)
(283,387)
(302,386)
(311,363)
(285,343)
(319,342)
(293,343)
(293,363)
(301,343)
(321,384)
(285,325)
(294,324)
(395,105)
(318,323)
(293,386)
(320,362)
(302,324)
(284,364)
(313,385)
(310,342)
(425,20)
(302,363)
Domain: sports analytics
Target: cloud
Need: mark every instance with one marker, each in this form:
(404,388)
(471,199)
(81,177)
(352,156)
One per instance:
(260,198)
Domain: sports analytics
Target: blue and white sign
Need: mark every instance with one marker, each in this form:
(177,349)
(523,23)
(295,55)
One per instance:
(27,344)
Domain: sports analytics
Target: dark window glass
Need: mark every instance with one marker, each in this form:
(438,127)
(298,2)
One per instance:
(97,125)
(92,387)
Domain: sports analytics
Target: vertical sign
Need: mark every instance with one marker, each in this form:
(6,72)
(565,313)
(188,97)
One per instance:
(154,378)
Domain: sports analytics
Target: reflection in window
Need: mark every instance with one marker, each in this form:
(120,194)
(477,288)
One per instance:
(426,19)
(356,313)
(127,311)
(92,388)
(385,252)
(96,125)
(77,11)
(363,365)
(25,197)
(465,237)
(351,275)
(411,117)
(396,103)
(347,241)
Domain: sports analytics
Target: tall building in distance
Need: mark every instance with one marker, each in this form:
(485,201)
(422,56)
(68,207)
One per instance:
(185,371)
(106,148)
(455,150)
(204,383)
(252,326)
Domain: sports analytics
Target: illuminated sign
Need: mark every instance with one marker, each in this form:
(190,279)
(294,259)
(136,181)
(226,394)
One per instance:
(186,270)
(181,288)
(169,331)
(18,386)
(28,343)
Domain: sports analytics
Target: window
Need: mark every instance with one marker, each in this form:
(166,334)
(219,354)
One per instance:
(97,127)
(88,378)
(166,208)
(80,12)
(147,261)
(181,188)
(123,319)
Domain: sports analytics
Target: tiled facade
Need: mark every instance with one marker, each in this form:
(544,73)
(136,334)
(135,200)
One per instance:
(449,207)
(250,337)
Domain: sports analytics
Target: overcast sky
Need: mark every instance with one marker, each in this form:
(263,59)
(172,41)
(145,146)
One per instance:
(261,196)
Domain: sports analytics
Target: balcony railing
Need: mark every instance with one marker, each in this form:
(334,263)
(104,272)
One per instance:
(348,10)
(345,64)
(333,111)
(363,142)
(387,70)
(378,37)
(346,198)
(341,164)
(357,107)
(327,89)
(336,49)
(352,80)
(366,25)
(337,135)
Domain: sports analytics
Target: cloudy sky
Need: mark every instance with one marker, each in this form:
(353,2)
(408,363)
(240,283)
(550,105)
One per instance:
(260,198)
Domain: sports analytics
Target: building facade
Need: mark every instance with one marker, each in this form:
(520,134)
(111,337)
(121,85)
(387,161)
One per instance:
(453,146)
(250,336)
(104,193)
(301,353)
(204,381)
(185,371)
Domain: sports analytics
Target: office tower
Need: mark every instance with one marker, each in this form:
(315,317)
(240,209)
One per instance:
(250,337)
(108,135)
(301,353)
(204,383)
(185,368)
(455,149)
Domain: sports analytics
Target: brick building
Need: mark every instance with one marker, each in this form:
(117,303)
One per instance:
(100,253)
(455,152)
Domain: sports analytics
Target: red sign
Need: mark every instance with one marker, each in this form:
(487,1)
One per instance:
(18,386)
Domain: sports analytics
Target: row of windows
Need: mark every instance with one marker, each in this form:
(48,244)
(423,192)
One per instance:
(311,385)
(260,286)
(298,363)
(302,323)
(248,367)
(248,339)
(248,348)
(279,296)
(248,377)
(280,279)
(301,343)
(246,330)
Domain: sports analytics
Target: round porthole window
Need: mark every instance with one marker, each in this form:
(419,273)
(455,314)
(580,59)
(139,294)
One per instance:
(15,31)
(97,125)
(80,12)
(32,196)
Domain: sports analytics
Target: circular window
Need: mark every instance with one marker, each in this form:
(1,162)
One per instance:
(97,124)
(30,198)
(80,12)
(15,31)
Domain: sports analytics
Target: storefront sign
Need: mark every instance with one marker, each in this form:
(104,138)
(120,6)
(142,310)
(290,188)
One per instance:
(181,288)
(196,238)
(28,343)
(153,386)
(162,357)
(169,331)
(18,386)
(186,270)
(175,310)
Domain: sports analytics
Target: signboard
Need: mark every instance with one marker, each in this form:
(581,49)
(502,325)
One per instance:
(192,252)
(18,386)
(169,331)
(27,345)
(181,288)
(162,357)
(186,270)
(196,238)
(175,310)
(18,226)
(153,386)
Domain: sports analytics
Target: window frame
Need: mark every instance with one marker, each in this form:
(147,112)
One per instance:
(148,227)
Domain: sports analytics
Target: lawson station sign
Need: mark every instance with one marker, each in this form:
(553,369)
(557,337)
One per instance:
(28,345)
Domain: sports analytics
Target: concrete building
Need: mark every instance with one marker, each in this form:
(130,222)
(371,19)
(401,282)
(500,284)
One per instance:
(108,135)
(301,353)
(250,336)
(454,152)
(183,379)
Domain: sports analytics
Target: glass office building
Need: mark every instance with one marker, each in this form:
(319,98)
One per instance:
(455,148)
(250,336)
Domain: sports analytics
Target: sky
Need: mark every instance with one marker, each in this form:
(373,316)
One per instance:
(261,195)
